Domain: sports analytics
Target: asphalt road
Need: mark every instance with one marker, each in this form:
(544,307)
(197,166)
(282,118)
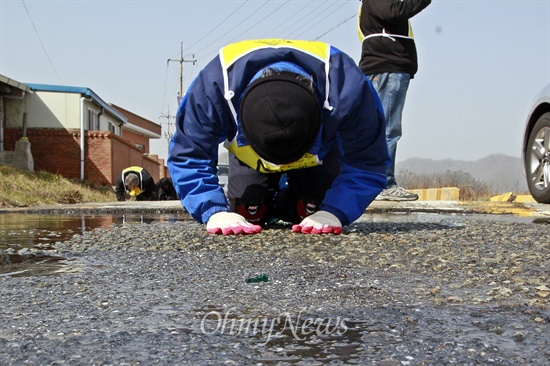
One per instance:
(459,289)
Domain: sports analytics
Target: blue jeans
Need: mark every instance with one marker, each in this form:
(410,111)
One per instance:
(392,90)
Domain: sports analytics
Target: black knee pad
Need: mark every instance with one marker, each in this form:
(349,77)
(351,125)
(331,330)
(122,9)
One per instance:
(290,207)
(258,213)
(253,212)
(305,207)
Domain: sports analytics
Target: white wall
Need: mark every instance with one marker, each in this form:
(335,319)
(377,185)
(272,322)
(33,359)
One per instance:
(57,110)
(53,110)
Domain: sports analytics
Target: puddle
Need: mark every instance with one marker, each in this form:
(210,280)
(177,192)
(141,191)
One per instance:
(17,265)
(27,231)
(25,239)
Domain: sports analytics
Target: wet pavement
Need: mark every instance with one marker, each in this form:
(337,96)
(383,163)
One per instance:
(26,232)
(407,284)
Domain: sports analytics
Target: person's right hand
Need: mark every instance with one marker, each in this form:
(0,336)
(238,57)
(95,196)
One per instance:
(230,223)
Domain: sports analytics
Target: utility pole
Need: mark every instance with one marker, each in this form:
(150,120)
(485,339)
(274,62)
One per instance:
(168,134)
(181,61)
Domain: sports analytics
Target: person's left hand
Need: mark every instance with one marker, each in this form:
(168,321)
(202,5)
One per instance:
(321,222)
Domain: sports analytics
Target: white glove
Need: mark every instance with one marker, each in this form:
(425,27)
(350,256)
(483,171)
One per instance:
(230,223)
(321,222)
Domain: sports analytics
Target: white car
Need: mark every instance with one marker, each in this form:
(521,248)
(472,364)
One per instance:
(536,147)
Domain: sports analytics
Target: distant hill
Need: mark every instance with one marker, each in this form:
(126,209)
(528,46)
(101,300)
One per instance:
(500,172)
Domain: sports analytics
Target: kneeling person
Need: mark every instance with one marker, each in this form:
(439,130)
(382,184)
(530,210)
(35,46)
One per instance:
(298,109)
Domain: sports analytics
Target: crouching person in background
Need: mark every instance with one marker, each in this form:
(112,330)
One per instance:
(137,183)
(166,190)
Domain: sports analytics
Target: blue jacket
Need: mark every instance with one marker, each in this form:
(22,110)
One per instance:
(352,120)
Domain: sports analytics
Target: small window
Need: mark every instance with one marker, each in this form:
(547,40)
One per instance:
(141,147)
(90,120)
(93,120)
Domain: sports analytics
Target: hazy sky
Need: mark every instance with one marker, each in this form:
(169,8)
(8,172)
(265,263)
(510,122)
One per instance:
(481,61)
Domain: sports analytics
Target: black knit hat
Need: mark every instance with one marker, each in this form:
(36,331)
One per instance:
(280,117)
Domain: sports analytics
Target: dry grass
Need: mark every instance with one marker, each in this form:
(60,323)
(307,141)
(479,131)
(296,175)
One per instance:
(471,189)
(20,188)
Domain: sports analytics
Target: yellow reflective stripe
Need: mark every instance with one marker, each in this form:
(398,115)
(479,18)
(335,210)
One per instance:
(248,156)
(133,168)
(233,52)
(359,31)
(411,30)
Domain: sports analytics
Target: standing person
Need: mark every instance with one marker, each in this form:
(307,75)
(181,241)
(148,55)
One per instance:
(298,108)
(389,59)
(166,191)
(138,183)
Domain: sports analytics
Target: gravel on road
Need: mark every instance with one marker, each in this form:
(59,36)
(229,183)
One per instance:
(458,291)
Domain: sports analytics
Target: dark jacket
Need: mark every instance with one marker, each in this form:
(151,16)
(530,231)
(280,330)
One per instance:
(146,184)
(166,190)
(388,42)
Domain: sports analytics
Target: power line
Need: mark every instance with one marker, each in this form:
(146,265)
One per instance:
(165,83)
(259,21)
(232,29)
(218,25)
(42,43)
(273,31)
(312,19)
(311,16)
(336,26)
(321,8)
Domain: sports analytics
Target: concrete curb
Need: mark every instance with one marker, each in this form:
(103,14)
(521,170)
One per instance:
(174,207)
(453,194)
(437,194)
(525,209)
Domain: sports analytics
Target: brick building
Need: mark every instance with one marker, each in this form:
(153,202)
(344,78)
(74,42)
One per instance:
(74,133)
